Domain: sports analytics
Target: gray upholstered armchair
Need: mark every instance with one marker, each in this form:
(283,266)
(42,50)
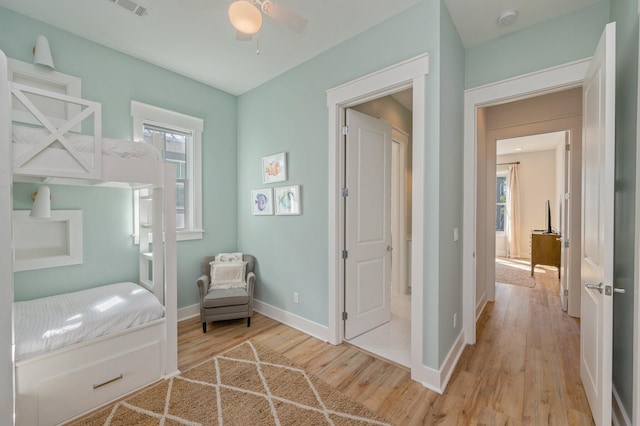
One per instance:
(224,304)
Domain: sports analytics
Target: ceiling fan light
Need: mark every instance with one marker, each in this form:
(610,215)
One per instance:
(245,17)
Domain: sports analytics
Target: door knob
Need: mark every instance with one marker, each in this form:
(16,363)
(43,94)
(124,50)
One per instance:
(389,248)
(598,287)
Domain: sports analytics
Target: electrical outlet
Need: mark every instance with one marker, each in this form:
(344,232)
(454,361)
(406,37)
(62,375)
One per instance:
(296,297)
(455,320)
(455,234)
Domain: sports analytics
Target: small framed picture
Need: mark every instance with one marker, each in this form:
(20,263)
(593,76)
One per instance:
(274,168)
(262,202)
(287,200)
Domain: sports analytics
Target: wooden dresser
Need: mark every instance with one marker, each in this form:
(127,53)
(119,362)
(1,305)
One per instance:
(545,250)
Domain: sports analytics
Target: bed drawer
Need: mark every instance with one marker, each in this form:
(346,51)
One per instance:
(75,392)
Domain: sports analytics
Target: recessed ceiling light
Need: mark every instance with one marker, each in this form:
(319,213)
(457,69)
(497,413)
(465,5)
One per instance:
(518,149)
(507,17)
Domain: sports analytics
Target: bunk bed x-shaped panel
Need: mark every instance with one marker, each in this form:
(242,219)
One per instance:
(89,167)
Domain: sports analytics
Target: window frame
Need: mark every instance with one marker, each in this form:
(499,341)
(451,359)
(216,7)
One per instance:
(148,114)
(499,175)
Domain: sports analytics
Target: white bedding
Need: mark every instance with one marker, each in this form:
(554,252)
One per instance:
(118,148)
(49,323)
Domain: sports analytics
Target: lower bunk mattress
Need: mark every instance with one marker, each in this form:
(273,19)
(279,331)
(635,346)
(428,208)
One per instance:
(49,323)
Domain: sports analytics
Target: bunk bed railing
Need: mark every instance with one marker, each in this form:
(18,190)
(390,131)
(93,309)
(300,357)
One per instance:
(87,165)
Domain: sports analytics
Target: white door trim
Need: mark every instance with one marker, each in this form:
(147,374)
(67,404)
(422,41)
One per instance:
(636,302)
(521,87)
(408,74)
(399,247)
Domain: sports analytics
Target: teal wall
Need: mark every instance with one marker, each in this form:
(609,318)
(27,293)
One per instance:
(106,240)
(289,113)
(451,183)
(625,14)
(554,42)
(114,79)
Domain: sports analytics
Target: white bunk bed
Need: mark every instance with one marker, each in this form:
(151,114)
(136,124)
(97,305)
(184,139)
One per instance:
(66,382)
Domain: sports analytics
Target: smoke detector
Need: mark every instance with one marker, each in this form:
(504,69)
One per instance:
(507,17)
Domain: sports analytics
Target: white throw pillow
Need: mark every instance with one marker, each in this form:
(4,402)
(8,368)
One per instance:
(225,275)
(229,257)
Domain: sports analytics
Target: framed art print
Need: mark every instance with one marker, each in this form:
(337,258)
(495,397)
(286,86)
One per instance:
(262,202)
(274,168)
(287,200)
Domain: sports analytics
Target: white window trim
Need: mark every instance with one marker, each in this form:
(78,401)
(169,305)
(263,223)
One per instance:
(142,113)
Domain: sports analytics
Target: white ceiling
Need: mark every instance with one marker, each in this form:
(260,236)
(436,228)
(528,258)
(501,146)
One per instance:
(476,21)
(195,39)
(525,144)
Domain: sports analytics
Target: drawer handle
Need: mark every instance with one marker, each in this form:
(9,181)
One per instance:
(115,379)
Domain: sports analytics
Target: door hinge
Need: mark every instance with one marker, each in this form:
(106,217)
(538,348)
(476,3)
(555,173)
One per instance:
(345,316)
(567,147)
(345,192)
(565,292)
(566,243)
(345,254)
(345,130)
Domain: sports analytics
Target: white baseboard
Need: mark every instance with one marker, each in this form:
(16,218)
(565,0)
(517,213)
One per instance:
(481,305)
(292,320)
(188,312)
(437,380)
(619,416)
(287,318)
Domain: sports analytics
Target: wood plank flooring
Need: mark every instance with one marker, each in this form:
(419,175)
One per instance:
(523,370)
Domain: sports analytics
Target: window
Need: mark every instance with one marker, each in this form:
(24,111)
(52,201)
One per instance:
(501,202)
(178,137)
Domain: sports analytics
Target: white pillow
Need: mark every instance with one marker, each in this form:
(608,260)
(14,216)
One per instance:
(225,275)
(229,257)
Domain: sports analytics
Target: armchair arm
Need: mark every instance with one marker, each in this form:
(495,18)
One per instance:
(203,287)
(251,281)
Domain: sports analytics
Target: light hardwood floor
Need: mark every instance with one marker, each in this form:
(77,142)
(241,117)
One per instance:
(524,368)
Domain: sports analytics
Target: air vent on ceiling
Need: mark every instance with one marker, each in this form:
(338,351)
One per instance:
(131,6)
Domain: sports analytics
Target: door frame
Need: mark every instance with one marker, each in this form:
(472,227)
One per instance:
(525,86)
(636,285)
(399,247)
(405,75)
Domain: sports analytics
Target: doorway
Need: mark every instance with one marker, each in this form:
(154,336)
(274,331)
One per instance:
(560,114)
(531,175)
(379,307)
(410,74)
(476,270)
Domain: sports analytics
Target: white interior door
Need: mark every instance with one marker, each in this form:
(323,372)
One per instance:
(565,227)
(597,228)
(368,224)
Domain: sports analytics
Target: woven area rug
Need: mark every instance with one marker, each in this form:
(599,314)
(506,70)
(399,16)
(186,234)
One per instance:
(514,271)
(247,385)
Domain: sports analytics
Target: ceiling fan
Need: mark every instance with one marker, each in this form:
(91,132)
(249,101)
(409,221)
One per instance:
(246,18)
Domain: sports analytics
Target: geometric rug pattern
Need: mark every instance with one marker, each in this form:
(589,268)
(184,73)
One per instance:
(249,384)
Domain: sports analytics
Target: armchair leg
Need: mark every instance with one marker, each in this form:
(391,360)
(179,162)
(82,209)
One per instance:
(204,327)
(248,321)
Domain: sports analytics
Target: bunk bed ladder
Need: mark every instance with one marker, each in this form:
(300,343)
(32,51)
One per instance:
(151,255)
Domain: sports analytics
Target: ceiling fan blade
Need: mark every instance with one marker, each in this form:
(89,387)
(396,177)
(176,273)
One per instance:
(285,16)
(240,36)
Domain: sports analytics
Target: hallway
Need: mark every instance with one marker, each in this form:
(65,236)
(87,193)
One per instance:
(525,367)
